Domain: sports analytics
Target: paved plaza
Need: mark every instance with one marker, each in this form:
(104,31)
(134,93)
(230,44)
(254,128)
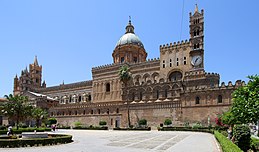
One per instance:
(130,141)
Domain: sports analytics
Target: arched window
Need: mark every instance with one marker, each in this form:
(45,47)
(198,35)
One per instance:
(140,95)
(220,99)
(117,110)
(135,59)
(157,94)
(89,98)
(63,113)
(75,112)
(108,87)
(122,59)
(79,99)
(165,93)
(84,112)
(92,111)
(70,99)
(197,100)
(108,111)
(133,96)
(70,112)
(175,76)
(99,111)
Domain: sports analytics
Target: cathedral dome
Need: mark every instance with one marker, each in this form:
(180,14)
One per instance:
(129,48)
(129,38)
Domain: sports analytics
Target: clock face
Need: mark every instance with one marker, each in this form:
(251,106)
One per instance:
(196,60)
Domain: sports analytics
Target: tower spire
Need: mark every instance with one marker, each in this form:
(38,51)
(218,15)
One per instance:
(196,8)
(36,61)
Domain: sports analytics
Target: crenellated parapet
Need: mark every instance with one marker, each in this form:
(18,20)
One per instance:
(66,86)
(105,66)
(174,46)
(222,87)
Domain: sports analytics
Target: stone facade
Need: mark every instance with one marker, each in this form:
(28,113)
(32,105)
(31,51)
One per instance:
(175,86)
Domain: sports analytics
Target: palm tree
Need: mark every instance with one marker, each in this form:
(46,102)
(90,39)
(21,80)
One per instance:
(16,108)
(125,76)
(38,115)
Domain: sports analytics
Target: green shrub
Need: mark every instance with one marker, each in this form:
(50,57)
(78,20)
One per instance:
(242,136)
(226,144)
(3,127)
(142,122)
(52,121)
(102,123)
(168,122)
(186,124)
(197,125)
(77,124)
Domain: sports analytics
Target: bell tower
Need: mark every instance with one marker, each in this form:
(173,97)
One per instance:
(197,38)
(36,73)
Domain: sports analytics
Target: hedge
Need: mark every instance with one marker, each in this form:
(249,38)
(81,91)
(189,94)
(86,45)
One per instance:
(53,140)
(186,129)
(133,129)
(91,128)
(20,130)
(226,144)
(255,143)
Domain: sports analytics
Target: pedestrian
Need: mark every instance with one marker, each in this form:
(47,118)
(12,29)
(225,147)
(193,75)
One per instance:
(10,131)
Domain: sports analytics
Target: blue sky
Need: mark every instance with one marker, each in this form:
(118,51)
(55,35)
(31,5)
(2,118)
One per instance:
(70,37)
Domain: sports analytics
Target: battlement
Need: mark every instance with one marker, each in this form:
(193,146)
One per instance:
(222,86)
(175,45)
(238,83)
(202,72)
(106,66)
(65,86)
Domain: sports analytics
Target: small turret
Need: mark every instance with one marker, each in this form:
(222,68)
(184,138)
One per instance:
(44,84)
(36,61)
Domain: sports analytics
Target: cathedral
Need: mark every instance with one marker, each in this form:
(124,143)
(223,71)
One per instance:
(174,86)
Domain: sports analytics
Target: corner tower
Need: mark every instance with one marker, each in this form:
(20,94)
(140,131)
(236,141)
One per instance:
(129,48)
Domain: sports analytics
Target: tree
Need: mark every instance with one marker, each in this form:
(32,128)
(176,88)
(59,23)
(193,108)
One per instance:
(125,76)
(228,118)
(245,107)
(16,108)
(38,115)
